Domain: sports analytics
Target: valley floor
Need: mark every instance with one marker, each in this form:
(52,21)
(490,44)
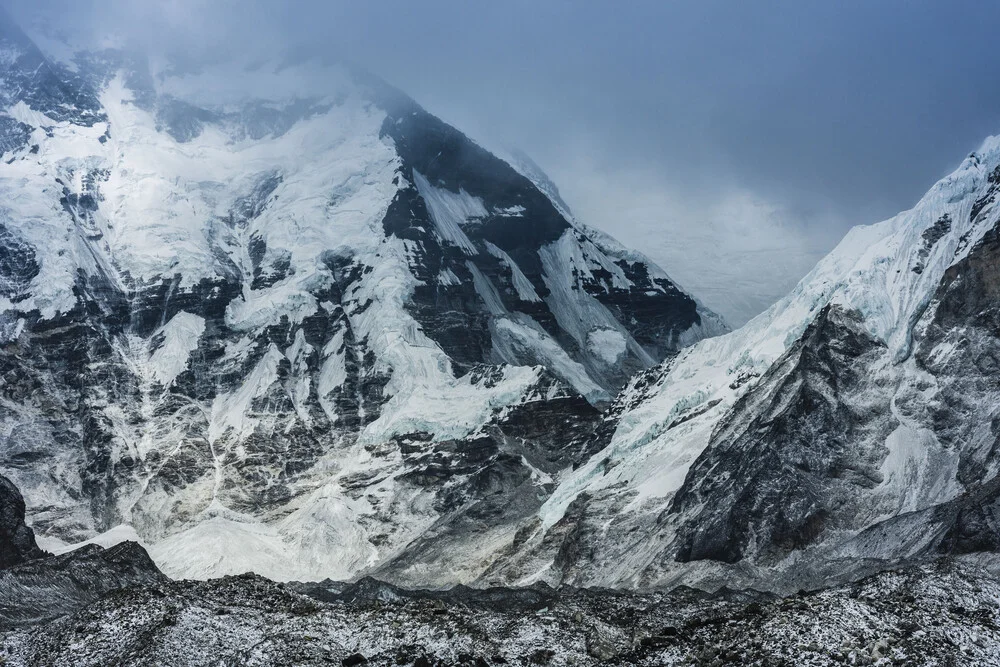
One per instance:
(938,614)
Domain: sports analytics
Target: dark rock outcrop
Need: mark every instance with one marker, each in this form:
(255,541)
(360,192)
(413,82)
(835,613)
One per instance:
(17,540)
(36,586)
(46,588)
(789,455)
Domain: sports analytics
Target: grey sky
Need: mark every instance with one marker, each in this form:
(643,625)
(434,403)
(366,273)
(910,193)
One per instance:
(662,121)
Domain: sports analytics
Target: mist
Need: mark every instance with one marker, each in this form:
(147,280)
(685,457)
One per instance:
(734,143)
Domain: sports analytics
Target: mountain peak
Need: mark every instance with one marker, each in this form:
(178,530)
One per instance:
(273,299)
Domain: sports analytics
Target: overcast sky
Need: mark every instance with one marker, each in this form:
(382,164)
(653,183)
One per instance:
(720,137)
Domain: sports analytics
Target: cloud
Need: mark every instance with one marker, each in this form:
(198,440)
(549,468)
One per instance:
(817,114)
(736,251)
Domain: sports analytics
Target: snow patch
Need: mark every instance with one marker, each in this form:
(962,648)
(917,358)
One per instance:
(565,263)
(234,410)
(545,350)
(333,374)
(449,211)
(486,291)
(107,539)
(525,290)
(23,113)
(179,339)
(447,278)
(512,211)
(607,344)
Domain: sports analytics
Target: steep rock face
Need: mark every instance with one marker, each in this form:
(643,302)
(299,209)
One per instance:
(310,334)
(956,346)
(786,459)
(848,428)
(17,541)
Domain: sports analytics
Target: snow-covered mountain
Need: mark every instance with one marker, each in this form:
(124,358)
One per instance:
(850,426)
(277,317)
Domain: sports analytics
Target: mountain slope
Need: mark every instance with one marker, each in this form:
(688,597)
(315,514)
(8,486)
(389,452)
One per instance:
(846,428)
(279,318)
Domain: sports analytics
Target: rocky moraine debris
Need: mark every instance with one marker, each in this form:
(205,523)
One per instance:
(941,614)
